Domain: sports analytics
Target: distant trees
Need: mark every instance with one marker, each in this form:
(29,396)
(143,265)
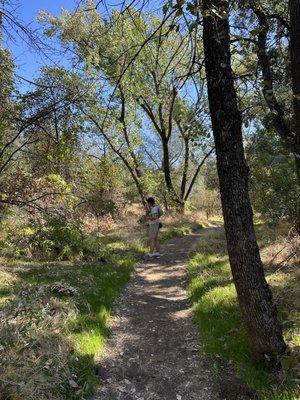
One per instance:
(268,21)
(274,187)
(36,138)
(7,106)
(270,32)
(152,89)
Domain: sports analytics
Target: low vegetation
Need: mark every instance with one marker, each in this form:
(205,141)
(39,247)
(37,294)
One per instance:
(53,322)
(218,316)
(54,312)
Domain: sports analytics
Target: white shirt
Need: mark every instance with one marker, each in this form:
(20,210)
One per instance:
(154,213)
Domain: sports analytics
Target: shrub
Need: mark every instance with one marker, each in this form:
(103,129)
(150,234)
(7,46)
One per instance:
(273,182)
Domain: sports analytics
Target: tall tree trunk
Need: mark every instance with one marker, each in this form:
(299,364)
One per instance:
(185,167)
(254,295)
(135,160)
(167,172)
(164,134)
(294,8)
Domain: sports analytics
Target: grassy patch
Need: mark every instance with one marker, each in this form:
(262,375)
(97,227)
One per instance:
(172,232)
(183,225)
(168,232)
(219,320)
(51,339)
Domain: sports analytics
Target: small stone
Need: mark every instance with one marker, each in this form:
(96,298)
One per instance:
(73,384)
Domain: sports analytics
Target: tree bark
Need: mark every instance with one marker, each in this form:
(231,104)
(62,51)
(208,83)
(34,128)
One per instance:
(294,9)
(254,295)
(136,163)
(167,172)
(185,166)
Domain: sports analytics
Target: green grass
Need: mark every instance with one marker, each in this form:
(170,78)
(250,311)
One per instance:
(219,320)
(180,228)
(51,340)
(173,232)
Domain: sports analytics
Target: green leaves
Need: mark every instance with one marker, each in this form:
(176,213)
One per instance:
(193,7)
(256,31)
(178,7)
(193,25)
(166,8)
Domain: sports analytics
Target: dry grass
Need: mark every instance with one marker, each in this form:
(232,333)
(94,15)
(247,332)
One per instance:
(36,363)
(48,341)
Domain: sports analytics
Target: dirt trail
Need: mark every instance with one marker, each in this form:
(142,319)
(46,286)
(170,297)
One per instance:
(152,352)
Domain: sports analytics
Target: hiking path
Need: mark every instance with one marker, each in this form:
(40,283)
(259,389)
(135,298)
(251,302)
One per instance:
(153,352)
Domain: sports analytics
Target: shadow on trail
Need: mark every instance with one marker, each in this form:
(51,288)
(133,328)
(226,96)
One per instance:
(152,352)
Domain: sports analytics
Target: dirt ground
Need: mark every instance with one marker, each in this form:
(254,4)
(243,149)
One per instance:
(153,352)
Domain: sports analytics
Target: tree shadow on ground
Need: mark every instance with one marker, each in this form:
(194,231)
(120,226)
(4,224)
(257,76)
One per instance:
(152,349)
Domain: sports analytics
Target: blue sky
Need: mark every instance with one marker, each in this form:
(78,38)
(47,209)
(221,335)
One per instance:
(28,62)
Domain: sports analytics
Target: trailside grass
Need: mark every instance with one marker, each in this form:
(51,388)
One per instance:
(48,341)
(219,320)
(182,225)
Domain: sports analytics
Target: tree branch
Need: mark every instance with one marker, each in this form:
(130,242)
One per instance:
(197,173)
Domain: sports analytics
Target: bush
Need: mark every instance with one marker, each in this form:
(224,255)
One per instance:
(273,182)
(53,238)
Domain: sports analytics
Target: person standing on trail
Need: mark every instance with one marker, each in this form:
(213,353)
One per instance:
(154,224)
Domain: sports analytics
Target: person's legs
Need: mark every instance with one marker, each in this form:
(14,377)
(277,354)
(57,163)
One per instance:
(153,239)
(156,244)
(152,245)
(151,236)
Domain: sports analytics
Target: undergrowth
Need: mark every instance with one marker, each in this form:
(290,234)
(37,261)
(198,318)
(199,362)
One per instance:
(219,320)
(48,340)
(181,226)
